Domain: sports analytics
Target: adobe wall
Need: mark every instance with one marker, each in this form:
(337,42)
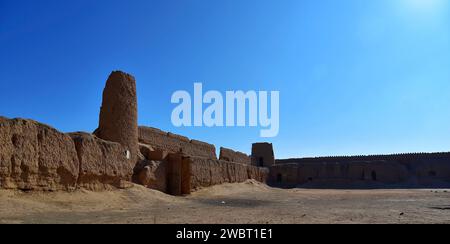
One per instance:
(152,174)
(411,170)
(429,171)
(173,143)
(406,157)
(286,175)
(207,172)
(233,156)
(183,174)
(34,156)
(102,163)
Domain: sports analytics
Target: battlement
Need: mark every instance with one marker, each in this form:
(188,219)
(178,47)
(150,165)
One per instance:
(387,157)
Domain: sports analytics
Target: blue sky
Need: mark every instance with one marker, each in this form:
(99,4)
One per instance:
(355,77)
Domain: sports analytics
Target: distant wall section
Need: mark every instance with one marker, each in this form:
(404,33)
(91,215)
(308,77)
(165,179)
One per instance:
(233,156)
(402,170)
(173,143)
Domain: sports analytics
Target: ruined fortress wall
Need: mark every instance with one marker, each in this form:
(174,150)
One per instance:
(34,156)
(377,171)
(207,172)
(183,175)
(430,170)
(173,143)
(286,175)
(233,156)
(192,164)
(427,169)
(152,174)
(102,163)
(407,157)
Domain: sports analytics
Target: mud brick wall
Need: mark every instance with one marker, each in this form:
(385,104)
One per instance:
(233,156)
(207,172)
(432,170)
(102,163)
(34,156)
(355,172)
(173,143)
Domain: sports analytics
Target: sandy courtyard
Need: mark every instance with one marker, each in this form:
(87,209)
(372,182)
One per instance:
(243,203)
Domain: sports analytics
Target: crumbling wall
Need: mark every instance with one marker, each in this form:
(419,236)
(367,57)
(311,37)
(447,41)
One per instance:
(183,174)
(207,172)
(34,156)
(150,153)
(233,156)
(153,171)
(102,163)
(173,143)
(153,174)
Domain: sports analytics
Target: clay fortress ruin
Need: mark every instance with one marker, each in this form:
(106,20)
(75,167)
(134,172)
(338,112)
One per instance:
(34,156)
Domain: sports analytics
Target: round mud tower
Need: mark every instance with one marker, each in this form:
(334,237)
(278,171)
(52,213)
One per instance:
(118,114)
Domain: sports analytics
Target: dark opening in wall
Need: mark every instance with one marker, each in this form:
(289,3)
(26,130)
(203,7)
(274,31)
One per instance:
(432,173)
(310,179)
(279,178)
(374,176)
(261,162)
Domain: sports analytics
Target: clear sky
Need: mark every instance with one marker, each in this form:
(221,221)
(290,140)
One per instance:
(355,77)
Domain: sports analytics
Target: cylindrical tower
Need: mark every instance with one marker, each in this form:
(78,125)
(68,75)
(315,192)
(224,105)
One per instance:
(119,115)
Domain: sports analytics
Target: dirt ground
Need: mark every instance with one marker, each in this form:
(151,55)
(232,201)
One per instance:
(249,202)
